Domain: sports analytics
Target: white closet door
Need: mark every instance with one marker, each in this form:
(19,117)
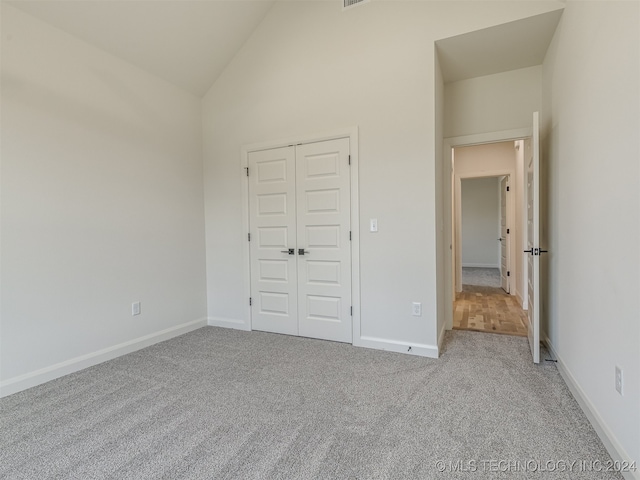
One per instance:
(272,210)
(323,234)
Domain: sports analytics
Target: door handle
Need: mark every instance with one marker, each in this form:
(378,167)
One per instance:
(302,251)
(291,251)
(529,251)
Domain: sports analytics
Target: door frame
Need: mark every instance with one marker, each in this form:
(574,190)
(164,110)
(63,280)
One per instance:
(448,181)
(350,133)
(457,189)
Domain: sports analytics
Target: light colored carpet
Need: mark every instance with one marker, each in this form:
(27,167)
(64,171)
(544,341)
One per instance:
(481,277)
(225,404)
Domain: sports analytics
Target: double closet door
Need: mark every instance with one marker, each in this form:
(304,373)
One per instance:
(300,240)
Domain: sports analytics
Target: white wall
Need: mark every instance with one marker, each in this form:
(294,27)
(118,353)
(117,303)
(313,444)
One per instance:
(102,204)
(480,222)
(591,92)
(374,68)
(492,103)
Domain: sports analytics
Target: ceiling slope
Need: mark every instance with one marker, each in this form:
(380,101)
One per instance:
(510,46)
(188,43)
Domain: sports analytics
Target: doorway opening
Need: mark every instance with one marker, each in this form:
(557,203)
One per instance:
(487,225)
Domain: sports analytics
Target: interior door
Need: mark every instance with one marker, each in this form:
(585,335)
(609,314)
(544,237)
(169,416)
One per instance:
(272,210)
(324,251)
(300,221)
(532,156)
(504,240)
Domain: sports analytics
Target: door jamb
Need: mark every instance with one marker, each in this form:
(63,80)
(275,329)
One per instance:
(350,133)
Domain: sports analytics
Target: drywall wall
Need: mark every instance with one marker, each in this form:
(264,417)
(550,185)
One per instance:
(591,124)
(102,205)
(443,272)
(480,222)
(372,68)
(492,103)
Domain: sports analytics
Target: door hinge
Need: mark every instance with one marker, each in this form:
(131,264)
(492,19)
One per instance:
(247,169)
(349,235)
(508,273)
(352,311)
(349,159)
(508,187)
(248,237)
(250,301)
(507,230)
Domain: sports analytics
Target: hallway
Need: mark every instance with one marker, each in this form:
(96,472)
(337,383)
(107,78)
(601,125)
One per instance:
(488,309)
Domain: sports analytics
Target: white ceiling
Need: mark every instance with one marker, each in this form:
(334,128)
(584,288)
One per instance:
(505,47)
(152,35)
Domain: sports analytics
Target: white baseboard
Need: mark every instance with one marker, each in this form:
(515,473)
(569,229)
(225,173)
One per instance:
(419,349)
(481,265)
(37,377)
(228,323)
(611,443)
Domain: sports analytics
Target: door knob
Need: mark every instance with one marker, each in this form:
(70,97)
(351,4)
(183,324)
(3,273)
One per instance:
(302,251)
(291,251)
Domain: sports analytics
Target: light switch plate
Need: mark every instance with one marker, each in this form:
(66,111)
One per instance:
(373,225)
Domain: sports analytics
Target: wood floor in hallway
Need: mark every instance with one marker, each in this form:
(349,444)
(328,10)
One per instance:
(488,309)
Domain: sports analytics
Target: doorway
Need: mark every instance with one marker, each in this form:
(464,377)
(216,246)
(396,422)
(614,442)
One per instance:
(487,218)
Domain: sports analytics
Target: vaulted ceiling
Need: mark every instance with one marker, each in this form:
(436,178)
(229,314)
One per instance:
(188,43)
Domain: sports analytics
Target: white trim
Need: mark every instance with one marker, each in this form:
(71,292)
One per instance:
(481,265)
(37,377)
(448,181)
(441,335)
(611,443)
(352,134)
(419,349)
(228,323)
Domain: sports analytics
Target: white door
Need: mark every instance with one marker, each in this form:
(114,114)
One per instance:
(532,158)
(324,251)
(300,206)
(504,239)
(272,210)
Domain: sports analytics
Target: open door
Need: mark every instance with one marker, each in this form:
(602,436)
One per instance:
(504,240)
(532,158)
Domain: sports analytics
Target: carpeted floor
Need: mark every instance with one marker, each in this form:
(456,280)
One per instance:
(481,277)
(225,404)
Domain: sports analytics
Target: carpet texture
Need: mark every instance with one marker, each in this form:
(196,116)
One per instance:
(481,277)
(225,404)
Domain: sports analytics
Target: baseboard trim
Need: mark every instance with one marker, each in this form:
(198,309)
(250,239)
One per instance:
(611,443)
(43,375)
(418,349)
(228,323)
(481,265)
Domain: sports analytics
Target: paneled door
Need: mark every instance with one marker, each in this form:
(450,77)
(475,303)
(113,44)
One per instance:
(272,211)
(300,206)
(324,251)
(532,159)
(504,239)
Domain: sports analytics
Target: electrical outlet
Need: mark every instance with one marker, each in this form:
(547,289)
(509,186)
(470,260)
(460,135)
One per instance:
(416,309)
(135,308)
(619,380)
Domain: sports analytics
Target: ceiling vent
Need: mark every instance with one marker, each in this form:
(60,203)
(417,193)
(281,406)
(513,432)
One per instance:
(346,4)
